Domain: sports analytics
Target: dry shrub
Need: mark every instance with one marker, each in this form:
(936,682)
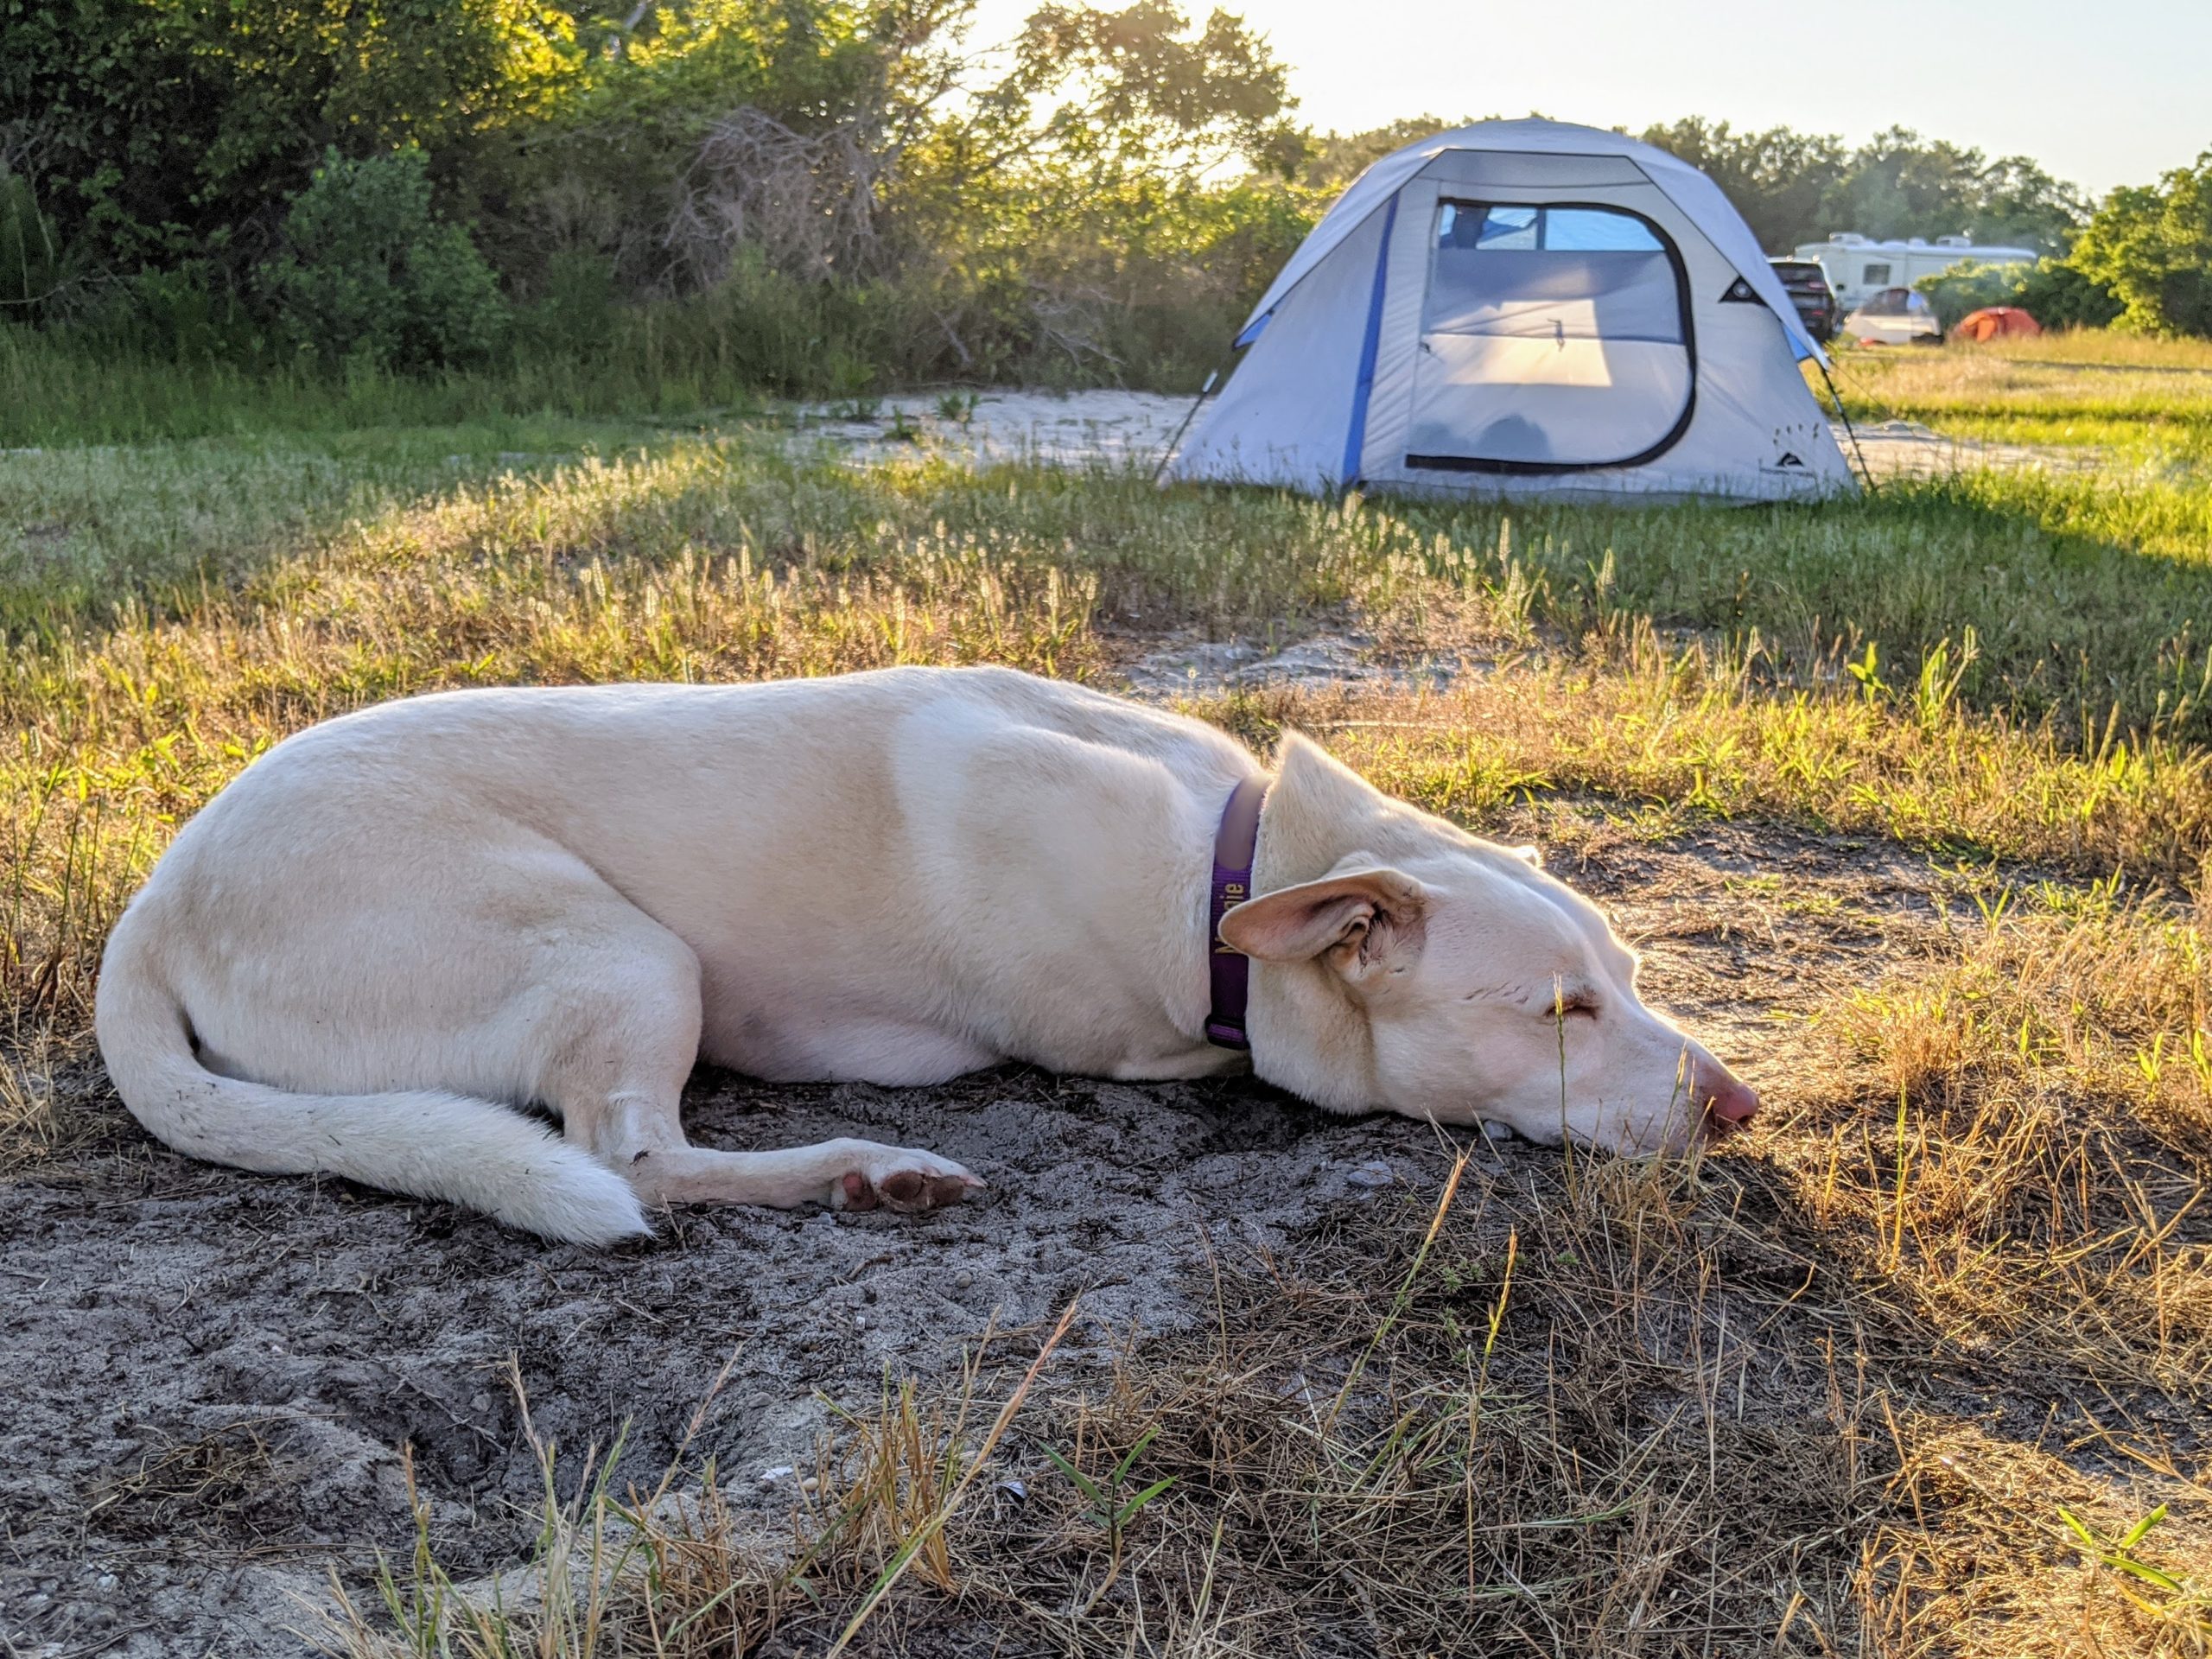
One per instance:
(808,202)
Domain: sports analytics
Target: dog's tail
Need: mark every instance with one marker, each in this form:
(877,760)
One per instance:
(427,1144)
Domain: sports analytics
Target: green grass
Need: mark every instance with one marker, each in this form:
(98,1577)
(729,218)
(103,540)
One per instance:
(2142,401)
(86,529)
(55,391)
(2080,593)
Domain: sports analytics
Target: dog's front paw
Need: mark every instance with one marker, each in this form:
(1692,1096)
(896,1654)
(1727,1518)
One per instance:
(894,1177)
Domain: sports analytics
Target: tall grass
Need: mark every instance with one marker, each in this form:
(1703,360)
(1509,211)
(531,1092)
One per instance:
(755,334)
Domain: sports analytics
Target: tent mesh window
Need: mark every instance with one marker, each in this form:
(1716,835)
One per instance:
(1554,338)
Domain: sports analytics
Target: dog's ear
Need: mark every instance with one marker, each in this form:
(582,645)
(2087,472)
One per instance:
(1530,855)
(1363,920)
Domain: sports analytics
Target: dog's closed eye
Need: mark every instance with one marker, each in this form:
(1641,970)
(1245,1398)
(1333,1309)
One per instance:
(1549,1004)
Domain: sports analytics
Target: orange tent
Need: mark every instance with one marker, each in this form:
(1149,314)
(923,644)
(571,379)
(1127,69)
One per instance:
(1996,322)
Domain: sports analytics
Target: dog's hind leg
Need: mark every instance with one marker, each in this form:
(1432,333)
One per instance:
(629,1024)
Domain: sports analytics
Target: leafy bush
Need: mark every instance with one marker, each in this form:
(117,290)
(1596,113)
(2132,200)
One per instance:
(832,195)
(2051,291)
(764,328)
(370,272)
(160,130)
(2151,245)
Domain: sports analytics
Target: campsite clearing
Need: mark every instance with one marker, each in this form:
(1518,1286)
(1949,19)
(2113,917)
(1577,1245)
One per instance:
(1905,1371)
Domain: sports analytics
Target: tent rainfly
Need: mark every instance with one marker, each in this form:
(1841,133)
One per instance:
(1528,309)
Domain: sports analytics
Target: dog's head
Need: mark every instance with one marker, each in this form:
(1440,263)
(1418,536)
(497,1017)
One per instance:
(1444,977)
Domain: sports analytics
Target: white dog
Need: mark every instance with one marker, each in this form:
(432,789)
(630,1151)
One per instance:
(394,920)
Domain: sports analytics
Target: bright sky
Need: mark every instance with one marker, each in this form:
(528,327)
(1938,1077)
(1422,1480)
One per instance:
(2114,91)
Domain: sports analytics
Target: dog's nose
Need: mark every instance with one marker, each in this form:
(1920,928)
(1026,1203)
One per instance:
(1728,1100)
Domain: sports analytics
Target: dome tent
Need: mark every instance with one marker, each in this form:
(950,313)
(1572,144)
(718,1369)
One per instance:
(1996,322)
(1529,309)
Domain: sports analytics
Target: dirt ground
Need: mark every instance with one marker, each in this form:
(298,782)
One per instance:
(211,1373)
(214,1373)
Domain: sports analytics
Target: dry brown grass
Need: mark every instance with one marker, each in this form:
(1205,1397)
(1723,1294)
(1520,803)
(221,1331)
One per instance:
(1629,1407)
(178,1486)
(1693,729)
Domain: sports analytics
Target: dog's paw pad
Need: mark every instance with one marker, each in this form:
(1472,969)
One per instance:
(909,1182)
(915,1191)
(908,1192)
(950,1189)
(904,1188)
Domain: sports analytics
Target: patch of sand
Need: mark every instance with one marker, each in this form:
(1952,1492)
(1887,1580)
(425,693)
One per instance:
(1133,430)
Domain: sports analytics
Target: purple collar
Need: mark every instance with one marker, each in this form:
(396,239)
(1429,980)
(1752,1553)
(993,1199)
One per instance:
(1234,846)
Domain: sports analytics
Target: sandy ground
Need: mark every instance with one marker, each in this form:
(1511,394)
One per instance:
(213,1374)
(1136,428)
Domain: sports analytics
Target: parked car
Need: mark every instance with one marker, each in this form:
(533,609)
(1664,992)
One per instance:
(1809,292)
(1896,316)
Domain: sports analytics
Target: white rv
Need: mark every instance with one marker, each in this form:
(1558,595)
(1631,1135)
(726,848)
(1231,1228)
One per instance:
(1859,268)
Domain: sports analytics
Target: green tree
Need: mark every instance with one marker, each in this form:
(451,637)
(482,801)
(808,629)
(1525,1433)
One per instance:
(2152,246)
(1082,185)
(2059,296)
(1777,179)
(2017,200)
(170,128)
(30,260)
(600,175)
(1333,160)
(1899,184)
